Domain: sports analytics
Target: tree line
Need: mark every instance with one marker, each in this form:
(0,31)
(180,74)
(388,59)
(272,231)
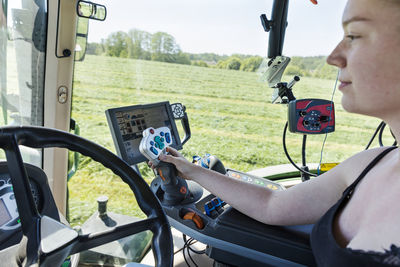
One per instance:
(161,46)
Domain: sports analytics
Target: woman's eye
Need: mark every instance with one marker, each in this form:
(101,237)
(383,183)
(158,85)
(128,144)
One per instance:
(351,37)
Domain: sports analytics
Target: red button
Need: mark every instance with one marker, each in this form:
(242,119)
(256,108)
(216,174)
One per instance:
(152,131)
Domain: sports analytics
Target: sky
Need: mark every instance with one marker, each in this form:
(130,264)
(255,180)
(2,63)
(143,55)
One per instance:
(226,26)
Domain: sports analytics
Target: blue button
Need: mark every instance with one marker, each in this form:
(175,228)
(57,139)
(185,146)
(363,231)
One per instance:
(162,133)
(155,152)
(168,138)
(152,143)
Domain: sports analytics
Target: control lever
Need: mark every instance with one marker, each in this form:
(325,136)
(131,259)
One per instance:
(210,162)
(175,188)
(168,186)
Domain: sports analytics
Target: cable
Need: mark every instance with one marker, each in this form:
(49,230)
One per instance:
(394,137)
(330,113)
(380,129)
(183,250)
(191,249)
(322,150)
(188,251)
(381,134)
(288,156)
(187,247)
(374,135)
(184,257)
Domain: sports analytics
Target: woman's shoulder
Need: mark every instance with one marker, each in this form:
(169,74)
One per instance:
(369,154)
(353,166)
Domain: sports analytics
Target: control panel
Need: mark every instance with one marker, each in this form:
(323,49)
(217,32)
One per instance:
(252,179)
(8,206)
(155,142)
(127,125)
(10,224)
(9,217)
(213,206)
(311,116)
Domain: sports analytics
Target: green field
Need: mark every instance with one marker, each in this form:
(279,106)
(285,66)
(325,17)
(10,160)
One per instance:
(230,116)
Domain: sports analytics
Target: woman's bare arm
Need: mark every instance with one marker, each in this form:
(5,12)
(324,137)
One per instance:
(302,204)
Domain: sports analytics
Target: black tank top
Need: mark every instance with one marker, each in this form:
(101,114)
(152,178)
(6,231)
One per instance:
(327,251)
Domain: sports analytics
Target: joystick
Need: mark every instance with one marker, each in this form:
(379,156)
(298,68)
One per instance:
(175,190)
(154,143)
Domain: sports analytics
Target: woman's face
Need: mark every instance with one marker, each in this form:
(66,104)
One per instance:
(369,58)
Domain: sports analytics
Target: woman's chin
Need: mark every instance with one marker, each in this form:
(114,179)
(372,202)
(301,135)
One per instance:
(351,107)
(347,105)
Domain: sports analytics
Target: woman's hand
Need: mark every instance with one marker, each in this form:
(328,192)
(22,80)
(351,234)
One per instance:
(183,166)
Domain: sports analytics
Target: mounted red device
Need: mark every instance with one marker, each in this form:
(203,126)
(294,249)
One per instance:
(311,116)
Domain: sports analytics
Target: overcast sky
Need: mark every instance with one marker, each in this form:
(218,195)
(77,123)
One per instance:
(226,26)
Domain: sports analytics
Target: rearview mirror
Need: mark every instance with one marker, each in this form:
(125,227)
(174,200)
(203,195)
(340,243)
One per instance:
(91,10)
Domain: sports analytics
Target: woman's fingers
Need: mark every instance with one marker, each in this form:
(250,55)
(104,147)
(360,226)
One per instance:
(173,152)
(166,158)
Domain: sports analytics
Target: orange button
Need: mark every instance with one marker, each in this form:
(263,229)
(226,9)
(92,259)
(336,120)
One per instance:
(195,218)
(183,190)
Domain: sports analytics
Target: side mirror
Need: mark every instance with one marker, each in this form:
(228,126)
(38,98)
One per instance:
(86,10)
(91,10)
(82,30)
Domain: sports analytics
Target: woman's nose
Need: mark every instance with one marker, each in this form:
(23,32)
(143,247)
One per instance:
(337,58)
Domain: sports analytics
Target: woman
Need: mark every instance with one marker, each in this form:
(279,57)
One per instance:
(360,226)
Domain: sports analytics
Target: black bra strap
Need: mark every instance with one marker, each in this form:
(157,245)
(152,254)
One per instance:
(350,189)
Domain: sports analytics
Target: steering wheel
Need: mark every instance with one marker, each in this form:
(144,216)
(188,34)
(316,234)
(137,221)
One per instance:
(47,242)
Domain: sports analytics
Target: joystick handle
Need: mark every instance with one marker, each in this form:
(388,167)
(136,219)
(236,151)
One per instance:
(175,188)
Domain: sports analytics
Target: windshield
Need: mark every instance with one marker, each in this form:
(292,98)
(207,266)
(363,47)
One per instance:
(22,61)
(206,55)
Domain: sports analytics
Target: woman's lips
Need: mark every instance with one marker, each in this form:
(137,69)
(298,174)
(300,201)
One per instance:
(343,84)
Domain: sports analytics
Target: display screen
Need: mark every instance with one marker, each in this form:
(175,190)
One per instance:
(128,123)
(5,216)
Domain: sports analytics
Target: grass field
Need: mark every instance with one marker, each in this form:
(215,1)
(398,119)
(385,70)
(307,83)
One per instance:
(230,116)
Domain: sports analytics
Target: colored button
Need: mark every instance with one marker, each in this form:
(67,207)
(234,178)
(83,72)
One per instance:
(152,131)
(155,152)
(168,138)
(159,144)
(152,143)
(195,218)
(183,190)
(162,133)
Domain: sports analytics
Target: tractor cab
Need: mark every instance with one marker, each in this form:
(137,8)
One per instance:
(80,121)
